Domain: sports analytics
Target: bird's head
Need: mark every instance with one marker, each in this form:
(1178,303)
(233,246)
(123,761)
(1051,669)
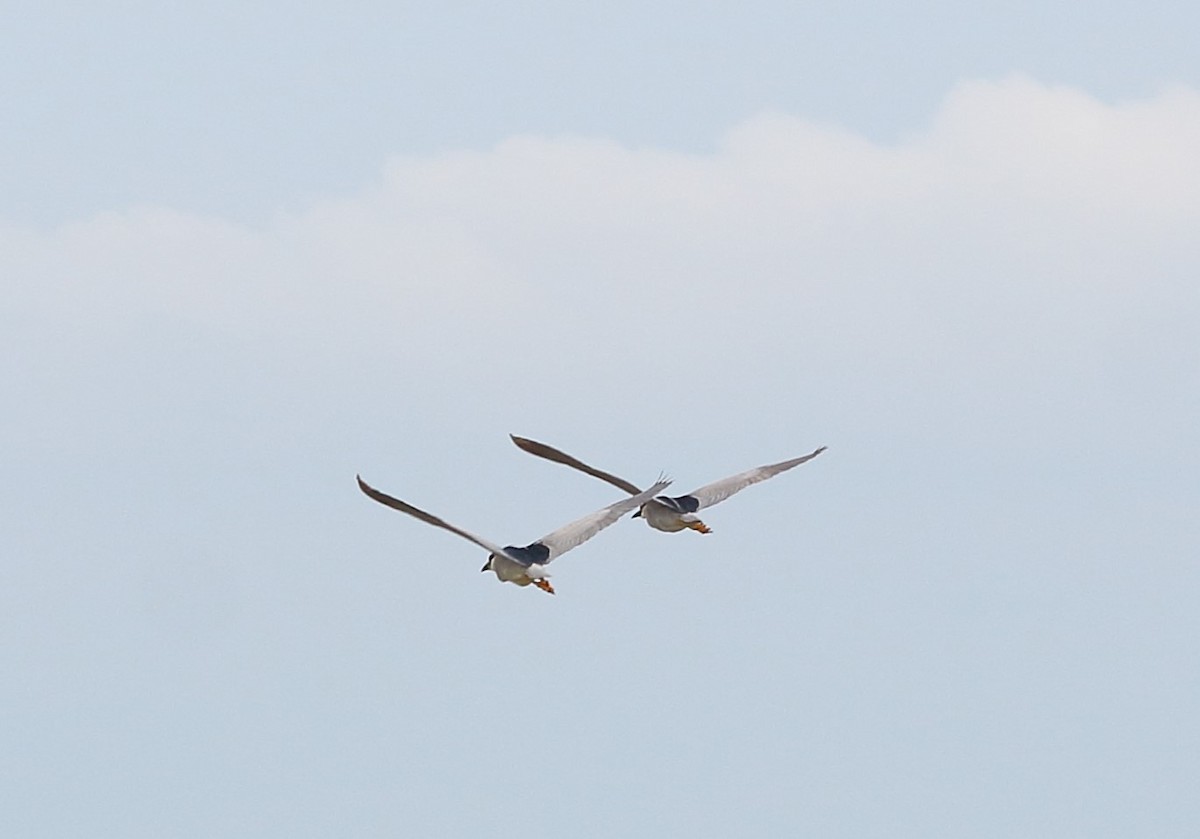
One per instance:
(487,566)
(637,514)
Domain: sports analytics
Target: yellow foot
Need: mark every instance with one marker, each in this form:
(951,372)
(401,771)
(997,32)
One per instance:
(544,585)
(700,526)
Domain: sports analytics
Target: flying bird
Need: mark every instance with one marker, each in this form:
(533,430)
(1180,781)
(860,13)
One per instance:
(663,512)
(527,565)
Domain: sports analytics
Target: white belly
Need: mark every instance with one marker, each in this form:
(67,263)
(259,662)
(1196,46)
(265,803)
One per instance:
(514,572)
(662,517)
(508,571)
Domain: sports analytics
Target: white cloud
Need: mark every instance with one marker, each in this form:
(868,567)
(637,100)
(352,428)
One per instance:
(1027,222)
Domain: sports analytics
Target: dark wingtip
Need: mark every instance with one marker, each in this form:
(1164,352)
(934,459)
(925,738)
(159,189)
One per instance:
(522,442)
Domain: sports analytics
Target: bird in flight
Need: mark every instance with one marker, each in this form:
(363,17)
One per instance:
(527,565)
(663,512)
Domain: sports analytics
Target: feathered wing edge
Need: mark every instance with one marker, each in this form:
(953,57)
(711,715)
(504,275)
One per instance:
(580,530)
(718,491)
(429,518)
(541,450)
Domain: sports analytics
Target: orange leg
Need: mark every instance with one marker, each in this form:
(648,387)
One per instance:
(700,526)
(544,585)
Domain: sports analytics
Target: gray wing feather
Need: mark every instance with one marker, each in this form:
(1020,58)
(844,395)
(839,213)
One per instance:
(718,491)
(428,518)
(578,532)
(551,453)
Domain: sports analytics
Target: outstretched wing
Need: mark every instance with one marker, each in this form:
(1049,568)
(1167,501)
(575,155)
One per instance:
(718,491)
(551,453)
(428,518)
(578,532)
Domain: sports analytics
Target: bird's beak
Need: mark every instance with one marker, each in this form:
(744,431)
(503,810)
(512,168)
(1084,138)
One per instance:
(638,514)
(487,565)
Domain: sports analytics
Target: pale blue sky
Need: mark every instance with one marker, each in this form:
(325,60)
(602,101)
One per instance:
(241,108)
(250,250)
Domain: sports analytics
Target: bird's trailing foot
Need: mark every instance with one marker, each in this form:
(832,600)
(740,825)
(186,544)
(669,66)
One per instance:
(544,585)
(699,526)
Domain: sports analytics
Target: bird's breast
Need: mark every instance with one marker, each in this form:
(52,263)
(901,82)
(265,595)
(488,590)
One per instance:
(661,517)
(508,571)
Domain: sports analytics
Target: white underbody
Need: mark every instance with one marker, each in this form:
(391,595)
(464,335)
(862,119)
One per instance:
(661,517)
(508,571)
